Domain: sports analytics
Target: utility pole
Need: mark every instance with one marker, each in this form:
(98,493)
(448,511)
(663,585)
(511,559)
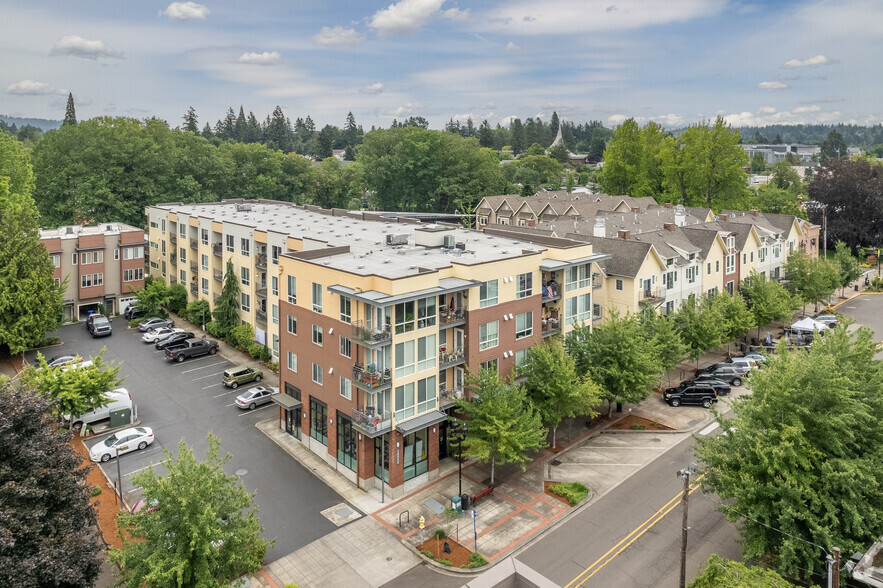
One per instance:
(836,574)
(825,230)
(685,476)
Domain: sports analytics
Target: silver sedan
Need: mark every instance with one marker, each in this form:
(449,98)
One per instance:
(254,397)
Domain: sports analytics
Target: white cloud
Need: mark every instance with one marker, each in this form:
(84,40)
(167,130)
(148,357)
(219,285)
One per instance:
(510,46)
(265,58)
(375,88)
(77,46)
(406,109)
(185,11)
(32,88)
(669,121)
(406,16)
(766,110)
(507,120)
(813,108)
(817,60)
(456,14)
(617,119)
(337,36)
(772,85)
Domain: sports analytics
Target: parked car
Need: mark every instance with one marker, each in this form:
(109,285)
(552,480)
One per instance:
(760,358)
(828,319)
(690,394)
(717,384)
(172,339)
(122,442)
(155,322)
(728,372)
(153,335)
(749,362)
(61,360)
(190,348)
(98,325)
(241,374)
(133,312)
(256,396)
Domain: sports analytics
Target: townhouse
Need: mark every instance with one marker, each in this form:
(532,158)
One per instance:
(103,265)
(375,322)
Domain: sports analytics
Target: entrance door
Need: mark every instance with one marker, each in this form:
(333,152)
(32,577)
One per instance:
(443,440)
(459,338)
(381,457)
(292,423)
(459,377)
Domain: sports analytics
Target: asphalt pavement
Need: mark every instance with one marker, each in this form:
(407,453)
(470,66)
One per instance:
(184,401)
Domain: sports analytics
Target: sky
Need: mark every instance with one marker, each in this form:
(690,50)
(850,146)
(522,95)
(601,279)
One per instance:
(672,61)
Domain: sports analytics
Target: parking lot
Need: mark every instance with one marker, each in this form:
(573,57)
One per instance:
(187,400)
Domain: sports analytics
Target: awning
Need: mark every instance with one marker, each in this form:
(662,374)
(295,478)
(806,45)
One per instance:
(445,286)
(421,422)
(550,265)
(285,401)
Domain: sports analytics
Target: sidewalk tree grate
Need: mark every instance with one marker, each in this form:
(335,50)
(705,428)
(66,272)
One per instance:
(556,462)
(693,422)
(344,512)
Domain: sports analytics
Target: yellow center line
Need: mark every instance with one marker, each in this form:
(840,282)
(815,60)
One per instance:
(633,536)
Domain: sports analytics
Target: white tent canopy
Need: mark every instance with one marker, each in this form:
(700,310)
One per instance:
(808,324)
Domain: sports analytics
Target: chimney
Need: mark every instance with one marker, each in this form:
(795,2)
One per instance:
(600,229)
(754,212)
(623,235)
(670,227)
(680,215)
(668,205)
(636,210)
(724,217)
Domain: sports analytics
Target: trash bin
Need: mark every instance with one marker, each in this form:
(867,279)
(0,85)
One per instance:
(464,501)
(856,287)
(456,504)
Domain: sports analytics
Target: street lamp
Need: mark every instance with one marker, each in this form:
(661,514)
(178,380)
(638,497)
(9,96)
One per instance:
(459,434)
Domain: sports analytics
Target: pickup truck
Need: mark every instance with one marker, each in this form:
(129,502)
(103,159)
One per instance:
(191,348)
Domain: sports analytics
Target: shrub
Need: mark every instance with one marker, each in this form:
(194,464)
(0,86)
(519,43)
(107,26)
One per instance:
(265,353)
(638,427)
(213,329)
(53,341)
(256,350)
(95,491)
(427,553)
(574,492)
(240,337)
(177,298)
(273,366)
(440,534)
(475,561)
(444,562)
(134,323)
(199,310)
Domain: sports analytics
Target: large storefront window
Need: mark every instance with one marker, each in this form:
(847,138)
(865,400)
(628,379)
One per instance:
(381,457)
(346,442)
(292,416)
(319,421)
(416,459)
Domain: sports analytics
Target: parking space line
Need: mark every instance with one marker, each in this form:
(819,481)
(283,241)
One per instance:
(224,393)
(204,367)
(212,386)
(208,376)
(144,468)
(256,410)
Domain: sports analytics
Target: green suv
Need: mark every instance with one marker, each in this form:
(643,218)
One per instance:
(241,374)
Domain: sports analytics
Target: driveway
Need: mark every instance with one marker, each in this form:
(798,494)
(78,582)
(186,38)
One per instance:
(184,401)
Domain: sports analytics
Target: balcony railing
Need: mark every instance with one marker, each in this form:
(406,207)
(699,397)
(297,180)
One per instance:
(448,316)
(173,238)
(173,259)
(194,289)
(261,290)
(653,294)
(551,327)
(173,281)
(551,291)
(597,282)
(194,245)
(218,249)
(261,315)
(194,267)
(371,423)
(260,261)
(597,312)
(448,358)
(447,396)
(371,379)
(369,337)
(219,276)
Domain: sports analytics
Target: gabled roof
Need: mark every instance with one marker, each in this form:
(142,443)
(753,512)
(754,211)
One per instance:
(670,244)
(783,221)
(703,239)
(741,231)
(627,256)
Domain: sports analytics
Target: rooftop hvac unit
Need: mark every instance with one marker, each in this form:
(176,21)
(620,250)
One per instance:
(397,239)
(461,246)
(449,241)
(243,208)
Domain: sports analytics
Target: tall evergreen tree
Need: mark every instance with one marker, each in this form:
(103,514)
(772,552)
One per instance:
(350,130)
(279,131)
(240,126)
(485,135)
(226,312)
(207,131)
(228,127)
(553,127)
(70,115)
(191,123)
(519,137)
(253,133)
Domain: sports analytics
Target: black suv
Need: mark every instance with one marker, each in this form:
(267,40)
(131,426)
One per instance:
(172,339)
(133,312)
(719,385)
(98,325)
(728,372)
(690,394)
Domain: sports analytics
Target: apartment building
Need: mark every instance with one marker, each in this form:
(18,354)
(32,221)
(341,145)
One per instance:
(375,322)
(103,265)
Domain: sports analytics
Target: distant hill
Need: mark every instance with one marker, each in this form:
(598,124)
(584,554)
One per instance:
(854,135)
(41,123)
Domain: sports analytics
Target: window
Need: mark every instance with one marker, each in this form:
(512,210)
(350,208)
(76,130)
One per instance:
(731,263)
(56,281)
(346,388)
(182,255)
(86,281)
(116,254)
(317,297)
(133,275)
(205,263)
(163,249)
(752,257)
(346,311)
(578,309)
(578,276)
(404,359)
(669,279)
(404,317)
(153,225)
(163,222)
(274,285)
(488,335)
(292,290)
(317,335)
(691,274)
(275,310)
(230,240)
(523,325)
(744,258)
(347,453)
(246,302)
(274,253)
(292,362)
(56,260)
(318,374)
(777,250)
(319,421)
(203,236)
(245,246)
(154,265)
(346,347)
(524,285)
(503,220)
(182,274)
(205,285)
(488,294)
(731,242)
(521,357)
(427,394)
(182,229)
(74,256)
(245,275)
(132,253)
(426,352)
(482,220)
(426,312)
(275,345)
(154,245)
(415,460)
(98,279)
(717,266)
(491,366)
(404,401)
(292,325)
(761,255)
(618,284)
(709,268)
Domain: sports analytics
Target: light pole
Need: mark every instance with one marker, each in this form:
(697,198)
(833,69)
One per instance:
(684,475)
(825,230)
(119,476)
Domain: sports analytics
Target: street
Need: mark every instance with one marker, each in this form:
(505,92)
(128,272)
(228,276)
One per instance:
(186,401)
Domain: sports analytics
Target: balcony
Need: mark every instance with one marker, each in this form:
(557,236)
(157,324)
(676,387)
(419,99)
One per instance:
(173,281)
(371,380)
(194,245)
(194,267)
(597,312)
(448,317)
(551,291)
(261,315)
(448,396)
(173,238)
(218,249)
(260,261)
(450,358)
(261,290)
(368,337)
(194,289)
(370,423)
(653,295)
(219,276)
(551,327)
(597,281)
(173,259)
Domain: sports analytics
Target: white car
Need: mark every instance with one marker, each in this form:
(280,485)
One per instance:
(153,334)
(121,442)
(256,396)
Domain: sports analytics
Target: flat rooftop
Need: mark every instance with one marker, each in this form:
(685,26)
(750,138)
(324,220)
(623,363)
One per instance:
(74,231)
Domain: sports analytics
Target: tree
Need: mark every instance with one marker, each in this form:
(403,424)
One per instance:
(849,268)
(669,347)
(618,355)
(279,131)
(74,392)
(199,311)
(70,114)
(811,279)
(191,122)
(560,154)
(800,464)
(226,312)
(47,524)
(153,296)
(30,301)
(767,301)
(758,163)
(204,532)
(784,177)
(700,325)
(501,424)
(737,319)
(714,162)
(833,147)
(177,300)
(775,200)
(519,137)
(720,572)
(485,135)
(853,193)
(555,388)
(623,160)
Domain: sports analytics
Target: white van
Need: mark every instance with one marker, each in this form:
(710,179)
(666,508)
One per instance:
(119,398)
